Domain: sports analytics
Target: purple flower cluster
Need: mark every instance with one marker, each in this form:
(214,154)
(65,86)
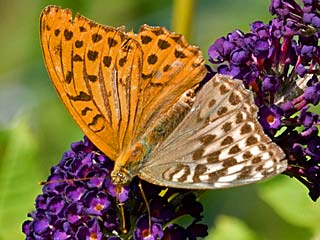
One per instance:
(79,201)
(279,62)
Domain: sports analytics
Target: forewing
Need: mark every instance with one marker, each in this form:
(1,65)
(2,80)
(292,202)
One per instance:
(116,85)
(219,143)
(81,58)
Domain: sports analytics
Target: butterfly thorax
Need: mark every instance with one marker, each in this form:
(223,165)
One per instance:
(130,160)
(127,164)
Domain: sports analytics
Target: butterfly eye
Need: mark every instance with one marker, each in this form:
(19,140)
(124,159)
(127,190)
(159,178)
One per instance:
(121,177)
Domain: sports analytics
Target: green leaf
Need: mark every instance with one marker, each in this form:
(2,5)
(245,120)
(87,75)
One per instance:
(230,228)
(245,203)
(19,173)
(290,200)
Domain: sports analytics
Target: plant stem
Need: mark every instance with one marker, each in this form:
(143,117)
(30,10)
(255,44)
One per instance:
(182,17)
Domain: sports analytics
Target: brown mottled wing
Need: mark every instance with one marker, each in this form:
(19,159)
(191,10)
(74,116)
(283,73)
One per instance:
(219,143)
(113,83)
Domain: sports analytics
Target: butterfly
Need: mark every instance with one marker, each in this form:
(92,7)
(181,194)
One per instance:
(139,99)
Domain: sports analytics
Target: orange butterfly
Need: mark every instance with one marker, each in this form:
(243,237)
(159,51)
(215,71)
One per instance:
(137,98)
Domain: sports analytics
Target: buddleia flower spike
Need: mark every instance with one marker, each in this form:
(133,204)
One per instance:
(279,61)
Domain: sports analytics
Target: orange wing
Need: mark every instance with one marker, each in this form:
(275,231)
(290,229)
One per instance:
(170,67)
(116,84)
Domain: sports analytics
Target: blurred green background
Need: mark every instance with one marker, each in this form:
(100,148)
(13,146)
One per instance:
(35,128)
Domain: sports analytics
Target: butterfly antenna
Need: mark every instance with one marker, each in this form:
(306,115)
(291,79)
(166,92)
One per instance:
(41,183)
(147,205)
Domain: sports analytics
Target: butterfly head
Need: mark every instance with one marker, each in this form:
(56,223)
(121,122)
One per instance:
(121,177)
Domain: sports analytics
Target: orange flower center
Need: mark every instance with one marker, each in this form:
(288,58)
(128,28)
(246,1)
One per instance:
(270,119)
(145,233)
(99,207)
(93,236)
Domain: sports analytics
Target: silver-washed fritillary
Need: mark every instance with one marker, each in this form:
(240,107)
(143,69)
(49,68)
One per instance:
(137,98)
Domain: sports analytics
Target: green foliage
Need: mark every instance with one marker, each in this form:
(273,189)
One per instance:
(279,208)
(18,171)
(229,227)
(290,200)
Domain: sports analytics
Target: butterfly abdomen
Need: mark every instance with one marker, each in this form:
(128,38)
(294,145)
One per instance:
(170,120)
